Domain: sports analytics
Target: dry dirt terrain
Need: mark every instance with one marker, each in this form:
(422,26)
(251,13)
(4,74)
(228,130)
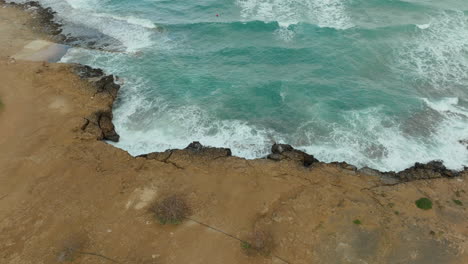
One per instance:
(66,197)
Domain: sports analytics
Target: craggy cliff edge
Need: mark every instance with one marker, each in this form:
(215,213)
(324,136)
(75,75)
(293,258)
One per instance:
(67,196)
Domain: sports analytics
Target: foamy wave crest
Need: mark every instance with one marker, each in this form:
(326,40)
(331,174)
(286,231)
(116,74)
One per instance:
(176,127)
(86,4)
(324,13)
(130,20)
(134,33)
(369,138)
(438,55)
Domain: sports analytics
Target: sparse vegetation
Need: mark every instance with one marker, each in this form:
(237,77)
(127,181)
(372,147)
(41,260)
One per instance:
(245,245)
(357,222)
(69,250)
(458,202)
(171,210)
(391,205)
(259,243)
(424,204)
(397,212)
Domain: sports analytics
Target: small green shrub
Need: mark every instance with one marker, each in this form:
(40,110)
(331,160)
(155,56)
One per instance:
(458,202)
(397,212)
(357,222)
(424,204)
(245,245)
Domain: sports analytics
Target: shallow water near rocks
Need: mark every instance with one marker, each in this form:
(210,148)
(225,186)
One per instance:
(373,83)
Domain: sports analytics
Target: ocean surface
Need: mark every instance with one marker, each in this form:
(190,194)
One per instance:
(378,83)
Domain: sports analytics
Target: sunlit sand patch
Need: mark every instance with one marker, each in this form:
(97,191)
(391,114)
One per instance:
(60,104)
(141,198)
(41,50)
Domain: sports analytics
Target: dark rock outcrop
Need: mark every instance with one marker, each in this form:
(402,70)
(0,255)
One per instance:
(370,172)
(197,147)
(87,72)
(344,165)
(287,152)
(432,170)
(104,84)
(43,19)
(100,124)
(193,150)
(464,142)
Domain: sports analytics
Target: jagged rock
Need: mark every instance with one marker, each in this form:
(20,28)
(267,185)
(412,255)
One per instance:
(370,172)
(280,148)
(193,150)
(195,146)
(432,170)
(100,124)
(276,157)
(287,152)
(344,165)
(160,156)
(101,82)
(106,84)
(107,127)
(87,72)
(43,18)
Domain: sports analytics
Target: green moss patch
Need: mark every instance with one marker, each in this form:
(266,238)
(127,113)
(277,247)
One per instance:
(245,245)
(357,222)
(424,204)
(458,202)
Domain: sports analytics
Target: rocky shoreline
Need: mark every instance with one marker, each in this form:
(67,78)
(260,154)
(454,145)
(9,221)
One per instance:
(66,196)
(100,123)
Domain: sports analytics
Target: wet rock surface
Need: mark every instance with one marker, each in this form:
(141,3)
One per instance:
(287,152)
(104,84)
(43,20)
(420,171)
(100,125)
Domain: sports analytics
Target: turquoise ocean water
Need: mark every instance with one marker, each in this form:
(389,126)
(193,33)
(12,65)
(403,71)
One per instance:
(379,83)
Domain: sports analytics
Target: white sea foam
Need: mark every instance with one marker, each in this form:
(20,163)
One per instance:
(424,26)
(324,13)
(370,139)
(438,55)
(133,32)
(130,20)
(177,127)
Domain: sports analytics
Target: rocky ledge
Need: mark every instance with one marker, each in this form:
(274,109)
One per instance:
(100,123)
(43,19)
(284,152)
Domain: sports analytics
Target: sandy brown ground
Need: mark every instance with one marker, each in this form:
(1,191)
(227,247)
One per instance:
(62,189)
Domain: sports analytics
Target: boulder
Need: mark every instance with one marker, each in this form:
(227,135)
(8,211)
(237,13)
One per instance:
(287,152)
(100,124)
(431,170)
(104,84)
(193,151)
